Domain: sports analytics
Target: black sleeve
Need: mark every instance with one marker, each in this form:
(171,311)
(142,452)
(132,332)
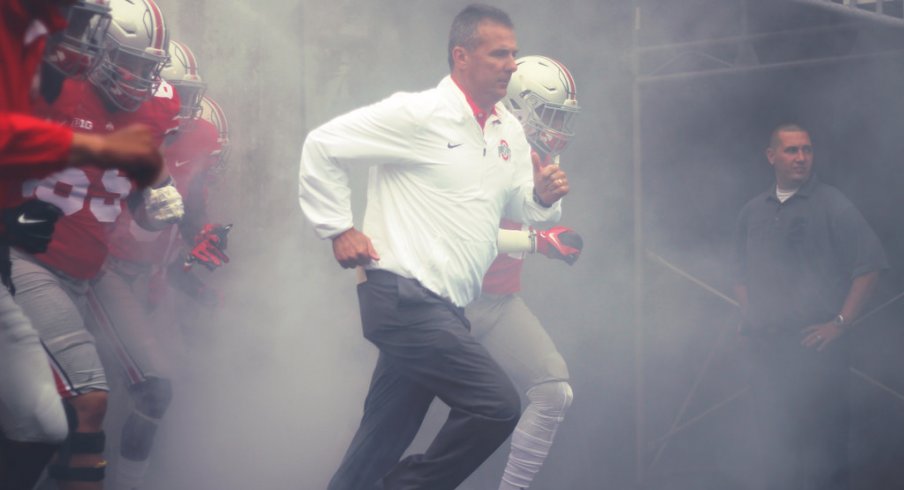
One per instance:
(856,243)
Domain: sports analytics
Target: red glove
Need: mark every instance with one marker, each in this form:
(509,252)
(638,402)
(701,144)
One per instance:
(210,246)
(560,243)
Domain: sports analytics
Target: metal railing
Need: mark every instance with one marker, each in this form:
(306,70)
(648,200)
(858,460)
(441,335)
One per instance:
(885,11)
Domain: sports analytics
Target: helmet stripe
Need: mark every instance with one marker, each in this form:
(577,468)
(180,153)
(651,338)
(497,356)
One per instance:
(220,116)
(571,88)
(160,31)
(189,58)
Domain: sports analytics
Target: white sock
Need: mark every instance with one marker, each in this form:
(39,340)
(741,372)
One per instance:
(508,486)
(129,474)
(535,432)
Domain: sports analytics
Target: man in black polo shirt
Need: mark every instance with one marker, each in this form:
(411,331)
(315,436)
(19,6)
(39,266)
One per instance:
(806,263)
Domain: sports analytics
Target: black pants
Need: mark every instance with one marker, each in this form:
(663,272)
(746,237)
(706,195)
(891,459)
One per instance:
(426,351)
(801,413)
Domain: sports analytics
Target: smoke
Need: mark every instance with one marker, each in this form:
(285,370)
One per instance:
(274,379)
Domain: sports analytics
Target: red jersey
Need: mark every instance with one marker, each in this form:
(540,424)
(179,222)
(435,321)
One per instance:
(91,199)
(504,274)
(188,155)
(29,147)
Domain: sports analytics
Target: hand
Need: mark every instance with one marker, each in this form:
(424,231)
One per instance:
(550,181)
(132,149)
(560,243)
(210,247)
(821,335)
(353,248)
(29,225)
(163,205)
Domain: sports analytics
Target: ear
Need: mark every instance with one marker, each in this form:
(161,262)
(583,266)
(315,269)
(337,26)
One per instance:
(770,155)
(459,56)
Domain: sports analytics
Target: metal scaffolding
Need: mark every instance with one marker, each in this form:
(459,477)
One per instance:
(735,55)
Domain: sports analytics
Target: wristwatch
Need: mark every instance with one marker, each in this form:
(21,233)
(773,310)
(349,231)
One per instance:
(540,201)
(839,320)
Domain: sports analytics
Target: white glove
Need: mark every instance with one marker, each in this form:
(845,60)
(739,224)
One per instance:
(163,205)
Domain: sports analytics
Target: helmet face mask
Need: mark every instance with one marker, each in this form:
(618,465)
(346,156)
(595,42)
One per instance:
(76,50)
(549,127)
(127,79)
(541,94)
(190,95)
(133,55)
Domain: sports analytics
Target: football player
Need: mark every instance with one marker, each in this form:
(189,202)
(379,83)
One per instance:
(129,301)
(121,90)
(541,94)
(31,415)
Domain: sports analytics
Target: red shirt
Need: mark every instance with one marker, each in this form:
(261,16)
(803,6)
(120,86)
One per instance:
(29,147)
(91,199)
(504,274)
(189,155)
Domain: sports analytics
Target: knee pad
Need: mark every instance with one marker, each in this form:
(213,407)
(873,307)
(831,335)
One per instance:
(78,443)
(152,396)
(552,398)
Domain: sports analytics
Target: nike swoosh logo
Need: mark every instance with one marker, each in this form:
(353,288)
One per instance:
(180,163)
(28,221)
(450,145)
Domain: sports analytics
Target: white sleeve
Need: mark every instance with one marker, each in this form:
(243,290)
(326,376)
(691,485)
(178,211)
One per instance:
(379,133)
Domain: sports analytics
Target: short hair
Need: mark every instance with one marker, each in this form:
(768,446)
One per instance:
(464,28)
(783,127)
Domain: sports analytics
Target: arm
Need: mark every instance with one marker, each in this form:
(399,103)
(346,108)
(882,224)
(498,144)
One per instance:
(371,135)
(133,149)
(557,242)
(861,253)
(537,198)
(821,335)
(861,290)
(158,207)
(550,181)
(31,147)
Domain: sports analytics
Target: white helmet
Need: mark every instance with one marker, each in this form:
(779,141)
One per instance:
(181,71)
(541,94)
(76,50)
(135,51)
(212,113)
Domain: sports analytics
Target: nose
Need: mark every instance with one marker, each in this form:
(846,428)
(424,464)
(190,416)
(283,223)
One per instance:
(510,65)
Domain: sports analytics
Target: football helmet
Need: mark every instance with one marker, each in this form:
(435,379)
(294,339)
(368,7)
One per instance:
(212,113)
(181,71)
(135,50)
(541,94)
(74,51)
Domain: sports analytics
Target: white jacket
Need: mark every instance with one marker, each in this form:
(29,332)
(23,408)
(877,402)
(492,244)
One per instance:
(437,188)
